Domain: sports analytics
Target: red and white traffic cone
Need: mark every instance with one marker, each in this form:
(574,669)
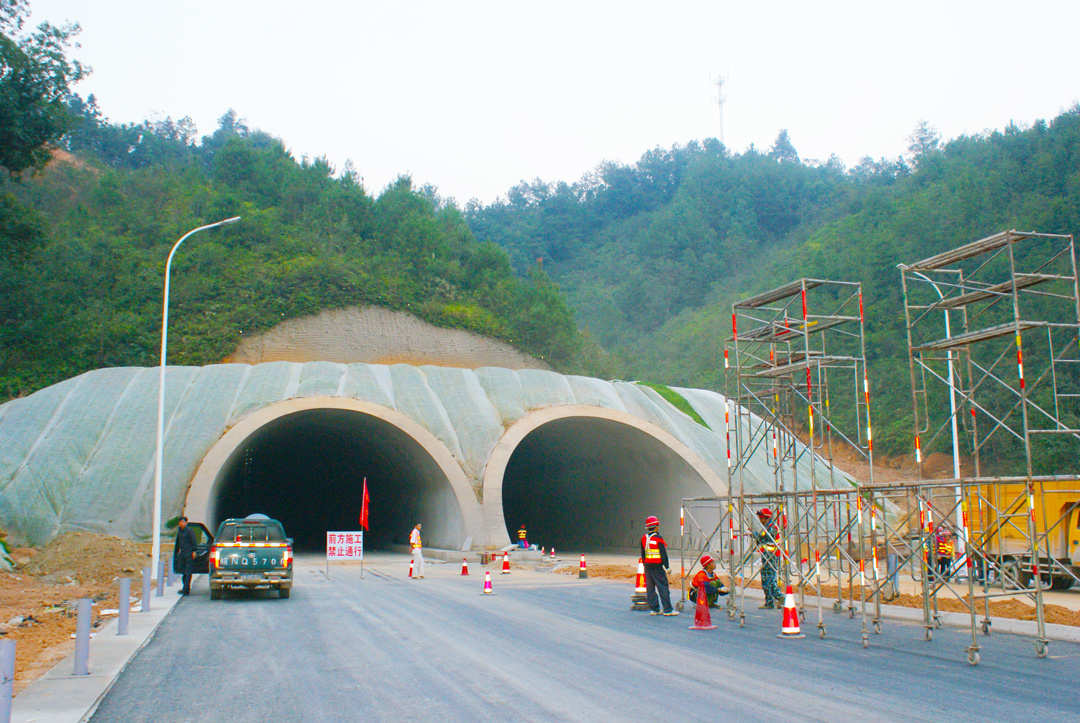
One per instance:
(702,618)
(464,566)
(639,581)
(411,569)
(638,600)
(506,563)
(790,627)
(582,572)
(487,583)
(553,553)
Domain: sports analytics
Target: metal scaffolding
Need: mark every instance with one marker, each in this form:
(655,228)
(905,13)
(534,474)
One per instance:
(1012,295)
(799,392)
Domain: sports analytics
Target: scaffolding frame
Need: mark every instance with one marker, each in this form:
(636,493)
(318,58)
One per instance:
(1002,302)
(789,344)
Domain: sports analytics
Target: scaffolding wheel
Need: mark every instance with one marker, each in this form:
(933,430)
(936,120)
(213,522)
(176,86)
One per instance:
(986,627)
(837,607)
(731,614)
(821,631)
(937,621)
(742,620)
(851,613)
(877,627)
(865,640)
(973,656)
(1040,648)
(929,633)
(679,606)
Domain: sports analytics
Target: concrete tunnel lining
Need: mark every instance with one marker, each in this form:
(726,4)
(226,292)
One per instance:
(584,477)
(430,484)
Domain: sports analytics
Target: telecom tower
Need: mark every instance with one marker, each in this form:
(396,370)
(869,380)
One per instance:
(720,98)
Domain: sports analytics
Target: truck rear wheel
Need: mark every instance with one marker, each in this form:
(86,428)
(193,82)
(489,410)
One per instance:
(215,593)
(283,592)
(1061,582)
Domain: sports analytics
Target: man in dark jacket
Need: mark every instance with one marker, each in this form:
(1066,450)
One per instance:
(655,559)
(184,555)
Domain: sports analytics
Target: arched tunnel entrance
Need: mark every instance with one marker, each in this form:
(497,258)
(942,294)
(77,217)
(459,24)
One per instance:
(588,483)
(307,468)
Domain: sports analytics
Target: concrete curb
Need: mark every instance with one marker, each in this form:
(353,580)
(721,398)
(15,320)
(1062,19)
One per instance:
(61,697)
(1026,628)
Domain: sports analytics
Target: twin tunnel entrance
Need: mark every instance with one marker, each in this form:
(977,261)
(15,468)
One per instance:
(576,482)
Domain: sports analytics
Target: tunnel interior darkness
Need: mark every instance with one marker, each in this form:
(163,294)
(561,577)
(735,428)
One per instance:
(307,468)
(589,483)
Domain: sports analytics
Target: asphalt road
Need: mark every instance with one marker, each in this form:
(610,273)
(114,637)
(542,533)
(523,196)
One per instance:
(551,647)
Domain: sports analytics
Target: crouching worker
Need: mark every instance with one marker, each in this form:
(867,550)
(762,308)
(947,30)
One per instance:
(707,579)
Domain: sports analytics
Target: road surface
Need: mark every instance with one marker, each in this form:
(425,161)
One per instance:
(551,647)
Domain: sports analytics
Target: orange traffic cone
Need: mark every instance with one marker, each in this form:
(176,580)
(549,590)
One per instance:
(487,583)
(790,627)
(464,566)
(582,572)
(410,569)
(639,581)
(506,563)
(702,618)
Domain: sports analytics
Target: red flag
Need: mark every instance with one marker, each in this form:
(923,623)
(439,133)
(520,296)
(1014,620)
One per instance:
(364,507)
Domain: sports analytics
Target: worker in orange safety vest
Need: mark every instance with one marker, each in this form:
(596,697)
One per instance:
(655,560)
(706,579)
(523,542)
(417,552)
(944,553)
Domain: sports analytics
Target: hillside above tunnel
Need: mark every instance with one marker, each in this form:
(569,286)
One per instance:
(375,335)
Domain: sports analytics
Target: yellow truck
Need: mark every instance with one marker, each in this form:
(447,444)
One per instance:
(998,514)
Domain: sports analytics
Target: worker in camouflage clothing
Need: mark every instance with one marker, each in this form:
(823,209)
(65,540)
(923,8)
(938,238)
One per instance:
(768,540)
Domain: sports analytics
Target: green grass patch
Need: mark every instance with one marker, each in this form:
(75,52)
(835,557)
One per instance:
(676,400)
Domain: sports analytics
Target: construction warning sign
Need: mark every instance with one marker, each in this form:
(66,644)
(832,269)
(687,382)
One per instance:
(344,546)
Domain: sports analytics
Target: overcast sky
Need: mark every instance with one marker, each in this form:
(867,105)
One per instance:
(474,97)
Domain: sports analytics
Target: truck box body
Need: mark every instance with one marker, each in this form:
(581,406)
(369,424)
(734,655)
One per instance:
(998,515)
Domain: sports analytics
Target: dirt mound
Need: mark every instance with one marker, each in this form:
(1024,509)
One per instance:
(87,558)
(374,335)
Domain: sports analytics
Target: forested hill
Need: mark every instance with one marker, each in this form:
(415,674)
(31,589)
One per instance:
(652,255)
(83,245)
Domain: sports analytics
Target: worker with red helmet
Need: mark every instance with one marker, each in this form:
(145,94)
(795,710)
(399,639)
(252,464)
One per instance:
(655,559)
(706,579)
(769,542)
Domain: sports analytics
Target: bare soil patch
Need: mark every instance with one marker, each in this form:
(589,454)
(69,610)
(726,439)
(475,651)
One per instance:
(38,600)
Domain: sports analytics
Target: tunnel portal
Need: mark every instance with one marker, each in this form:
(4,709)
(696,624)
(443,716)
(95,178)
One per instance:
(307,469)
(588,483)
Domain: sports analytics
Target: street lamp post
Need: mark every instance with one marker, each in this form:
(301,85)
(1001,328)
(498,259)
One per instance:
(952,420)
(156,553)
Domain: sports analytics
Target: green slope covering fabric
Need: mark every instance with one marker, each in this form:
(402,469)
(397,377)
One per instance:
(80,454)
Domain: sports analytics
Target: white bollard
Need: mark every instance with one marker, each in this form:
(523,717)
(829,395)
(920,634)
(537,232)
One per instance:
(125,606)
(7,678)
(82,637)
(160,578)
(146,589)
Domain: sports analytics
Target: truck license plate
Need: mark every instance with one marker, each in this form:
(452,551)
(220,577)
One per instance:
(252,578)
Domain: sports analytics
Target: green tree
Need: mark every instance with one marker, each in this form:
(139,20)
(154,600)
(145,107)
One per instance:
(35,75)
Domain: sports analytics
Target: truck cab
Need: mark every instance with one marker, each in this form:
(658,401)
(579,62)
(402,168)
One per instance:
(251,552)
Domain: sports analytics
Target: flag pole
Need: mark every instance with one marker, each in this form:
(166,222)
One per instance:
(364,525)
